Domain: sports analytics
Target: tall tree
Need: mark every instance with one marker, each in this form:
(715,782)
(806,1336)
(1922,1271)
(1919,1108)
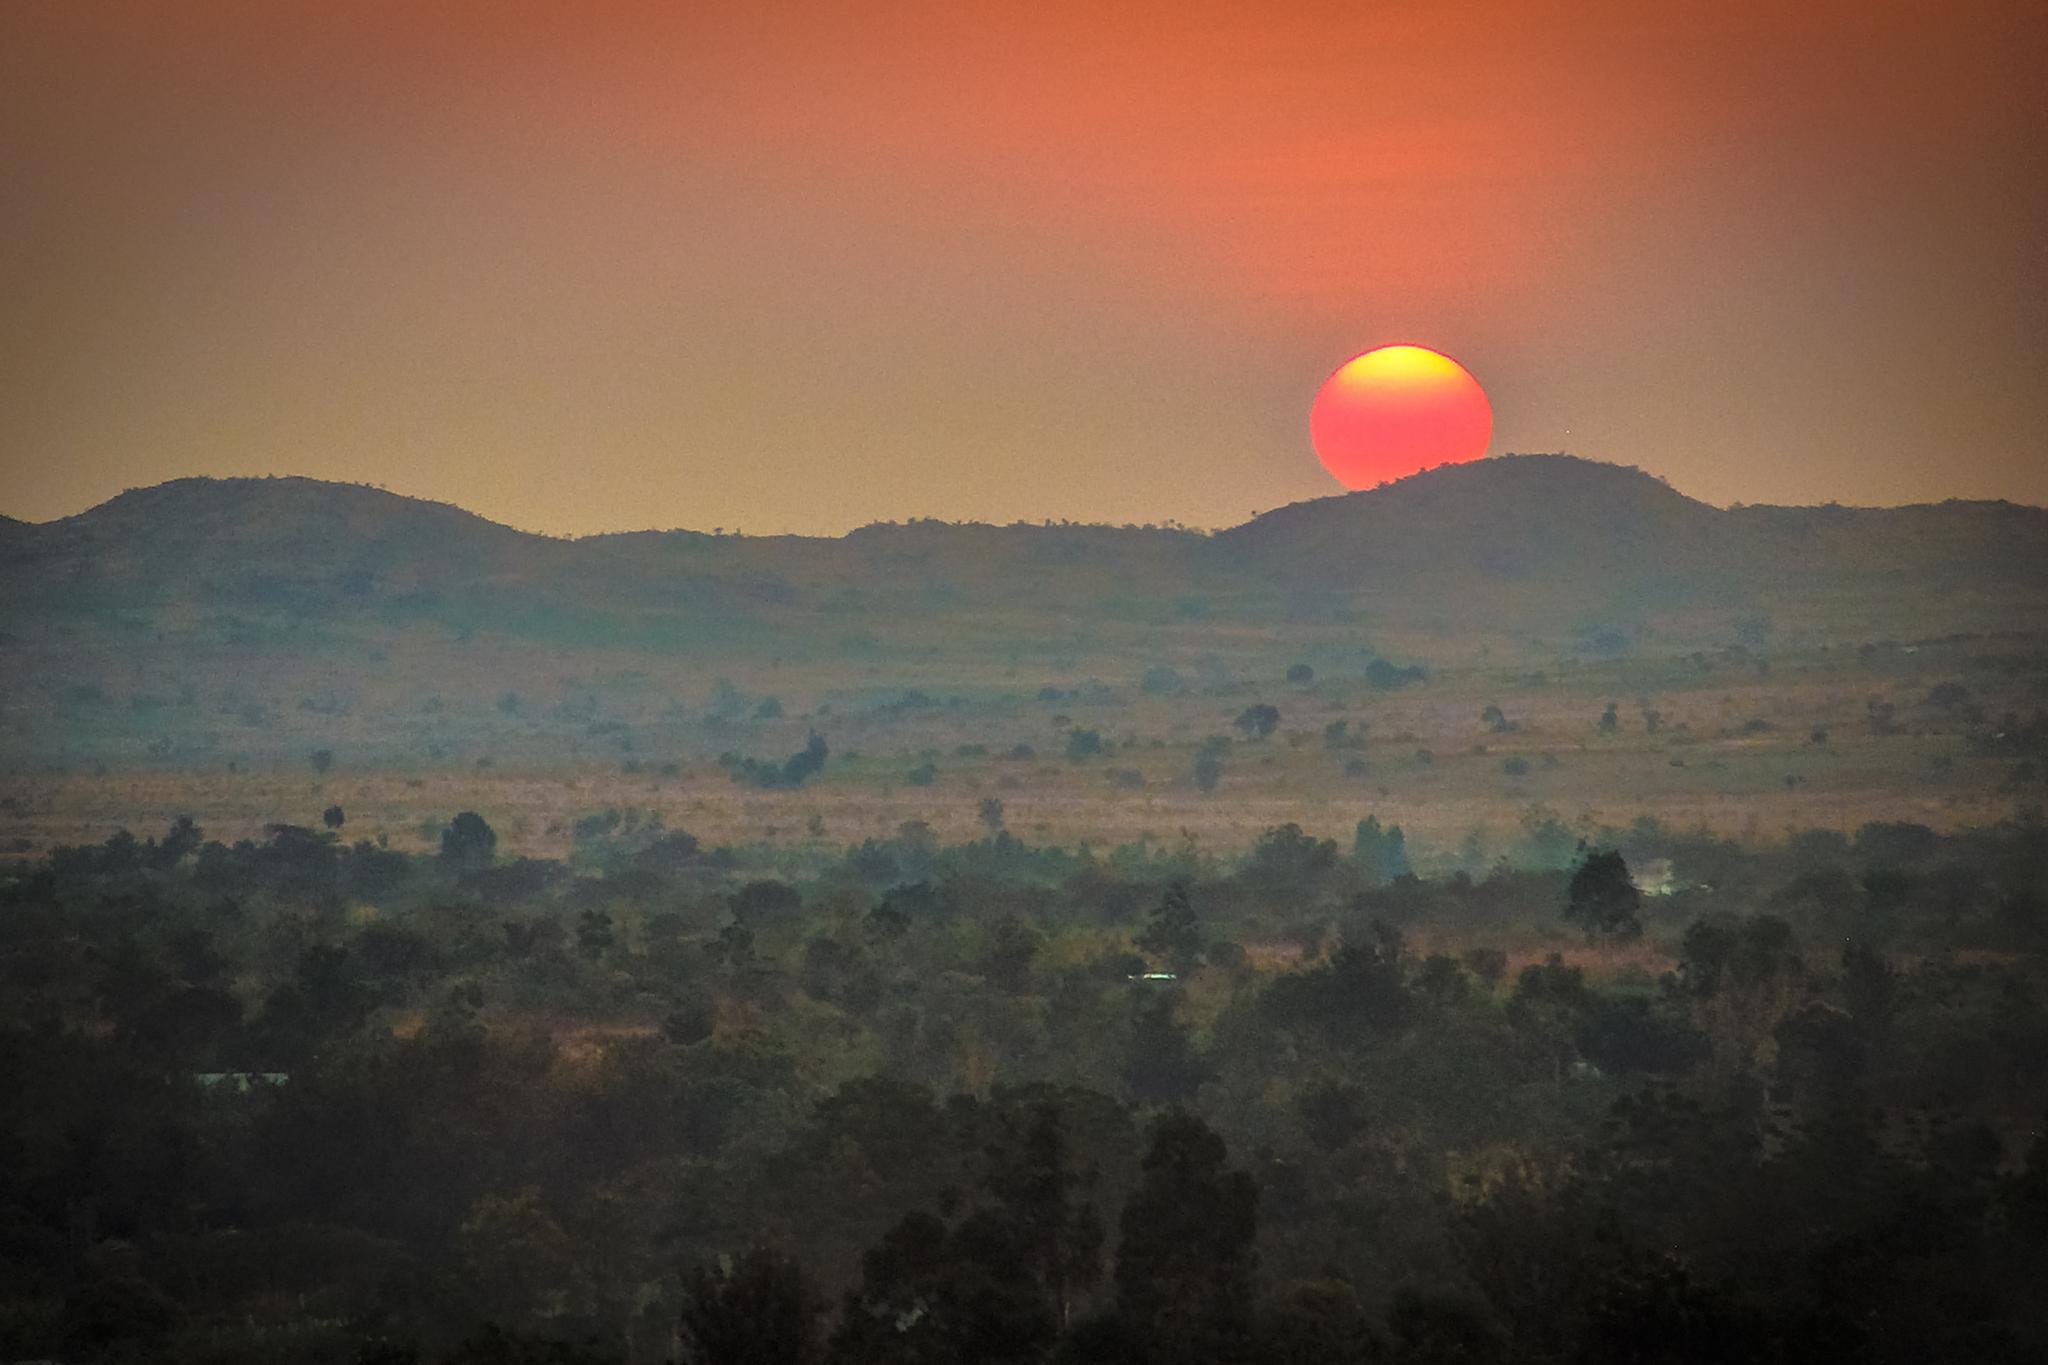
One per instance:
(1172,933)
(1037,1189)
(1163,1066)
(1185,1262)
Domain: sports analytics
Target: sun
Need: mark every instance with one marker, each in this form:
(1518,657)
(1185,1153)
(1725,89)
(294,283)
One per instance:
(1395,411)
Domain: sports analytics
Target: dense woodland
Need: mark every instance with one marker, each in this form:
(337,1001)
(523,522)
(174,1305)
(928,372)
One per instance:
(310,1098)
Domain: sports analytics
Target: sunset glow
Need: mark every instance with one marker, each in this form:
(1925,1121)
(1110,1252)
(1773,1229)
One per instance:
(1395,411)
(559,263)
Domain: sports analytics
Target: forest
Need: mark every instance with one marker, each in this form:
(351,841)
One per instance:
(1662,1096)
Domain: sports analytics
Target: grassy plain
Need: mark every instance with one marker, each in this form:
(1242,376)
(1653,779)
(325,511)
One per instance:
(1746,743)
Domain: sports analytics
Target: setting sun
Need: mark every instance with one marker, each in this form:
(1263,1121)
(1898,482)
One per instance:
(1394,411)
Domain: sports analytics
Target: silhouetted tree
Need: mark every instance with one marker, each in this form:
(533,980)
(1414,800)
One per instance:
(1602,900)
(469,841)
(1162,1066)
(806,763)
(1037,1188)
(1381,854)
(1185,1260)
(933,1295)
(1172,932)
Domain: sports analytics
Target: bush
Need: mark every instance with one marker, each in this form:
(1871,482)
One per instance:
(1385,677)
(1258,721)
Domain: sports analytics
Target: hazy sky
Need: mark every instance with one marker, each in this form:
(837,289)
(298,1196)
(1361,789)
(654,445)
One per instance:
(601,265)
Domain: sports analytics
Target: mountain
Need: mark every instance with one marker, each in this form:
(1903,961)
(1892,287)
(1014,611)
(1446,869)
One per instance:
(1515,517)
(1531,546)
(1568,520)
(283,542)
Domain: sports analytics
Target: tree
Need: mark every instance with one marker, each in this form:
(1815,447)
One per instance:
(594,934)
(1301,675)
(1172,933)
(333,817)
(1037,1189)
(1548,1008)
(1012,945)
(1258,721)
(757,1310)
(1209,764)
(469,841)
(1333,1113)
(1084,743)
(1162,1066)
(1185,1261)
(765,903)
(321,759)
(690,1023)
(1381,854)
(1487,963)
(1602,900)
(180,841)
(934,1295)
(990,813)
(1359,995)
(517,1259)
(1610,719)
(805,763)
(1741,976)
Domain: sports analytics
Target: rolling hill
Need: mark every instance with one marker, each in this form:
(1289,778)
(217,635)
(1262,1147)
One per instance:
(1535,553)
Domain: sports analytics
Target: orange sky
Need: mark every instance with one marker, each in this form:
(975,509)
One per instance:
(600,265)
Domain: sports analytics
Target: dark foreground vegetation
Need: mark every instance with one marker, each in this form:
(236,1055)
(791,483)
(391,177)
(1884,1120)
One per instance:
(1673,1099)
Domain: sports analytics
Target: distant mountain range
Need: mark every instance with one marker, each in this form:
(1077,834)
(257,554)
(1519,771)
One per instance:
(1529,545)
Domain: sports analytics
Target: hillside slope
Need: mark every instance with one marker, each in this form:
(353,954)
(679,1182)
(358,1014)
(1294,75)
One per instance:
(1530,546)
